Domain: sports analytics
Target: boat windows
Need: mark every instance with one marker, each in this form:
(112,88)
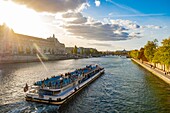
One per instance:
(46,92)
(56,92)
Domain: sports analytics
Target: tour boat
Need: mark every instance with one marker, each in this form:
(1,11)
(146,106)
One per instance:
(59,89)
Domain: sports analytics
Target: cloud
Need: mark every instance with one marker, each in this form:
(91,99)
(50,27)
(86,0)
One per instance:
(122,6)
(88,28)
(72,15)
(132,25)
(105,45)
(95,30)
(151,27)
(134,34)
(121,11)
(47,18)
(97,2)
(136,15)
(92,32)
(52,5)
(101,44)
(83,6)
(77,18)
(126,23)
(79,21)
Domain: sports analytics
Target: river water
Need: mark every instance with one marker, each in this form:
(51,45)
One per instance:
(125,87)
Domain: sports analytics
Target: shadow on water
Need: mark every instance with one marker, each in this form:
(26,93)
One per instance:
(157,90)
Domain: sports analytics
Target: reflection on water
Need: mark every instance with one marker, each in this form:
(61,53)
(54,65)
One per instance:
(125,87)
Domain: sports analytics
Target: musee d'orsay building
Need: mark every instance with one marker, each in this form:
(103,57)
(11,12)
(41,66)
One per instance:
(12,43)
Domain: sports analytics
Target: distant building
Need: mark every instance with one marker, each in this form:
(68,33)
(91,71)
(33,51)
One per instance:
(121,52)
(69,50)
(13,43)
(82,50)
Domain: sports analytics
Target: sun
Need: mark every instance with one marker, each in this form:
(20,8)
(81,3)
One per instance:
(19,18)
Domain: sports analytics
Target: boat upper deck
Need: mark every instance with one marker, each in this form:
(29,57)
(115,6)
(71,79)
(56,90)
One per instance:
(60,81)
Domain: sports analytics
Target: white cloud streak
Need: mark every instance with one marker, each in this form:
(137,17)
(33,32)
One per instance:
(133,12)
(137,15)
(151,27)
(52,6)
(123,6)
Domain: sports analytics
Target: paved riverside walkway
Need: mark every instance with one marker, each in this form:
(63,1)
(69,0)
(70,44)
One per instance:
(159,73)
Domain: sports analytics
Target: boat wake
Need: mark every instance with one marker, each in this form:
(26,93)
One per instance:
(28,107)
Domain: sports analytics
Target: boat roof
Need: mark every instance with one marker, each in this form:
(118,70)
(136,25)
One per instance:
(56,79)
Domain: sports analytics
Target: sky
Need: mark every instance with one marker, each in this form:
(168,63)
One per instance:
(102,24)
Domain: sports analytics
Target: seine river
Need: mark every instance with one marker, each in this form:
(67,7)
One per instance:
(125,87)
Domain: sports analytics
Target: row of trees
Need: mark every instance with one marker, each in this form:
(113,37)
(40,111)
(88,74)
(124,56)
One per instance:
(154,54)
(84,51)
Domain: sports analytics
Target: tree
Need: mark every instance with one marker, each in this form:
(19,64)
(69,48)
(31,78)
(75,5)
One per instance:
(134,53)
(141,54)
(162,55)
(150,49)
(165,53)
(157,56)
(166,42)
(87,52)
(75,50)
(82,51)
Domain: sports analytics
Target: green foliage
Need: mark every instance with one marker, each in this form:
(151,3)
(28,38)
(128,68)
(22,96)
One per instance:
(82,51)
(75,50)
(134,54)
(91,51)
(166,42)
(87,52)
(166,53)
(141,55)
(153,54)
(162,55)
(150,49)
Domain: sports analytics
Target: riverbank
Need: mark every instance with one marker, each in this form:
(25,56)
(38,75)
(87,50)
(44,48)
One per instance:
(35,58)
(159,73)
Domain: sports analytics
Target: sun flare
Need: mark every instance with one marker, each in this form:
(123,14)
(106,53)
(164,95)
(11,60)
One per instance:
(19,18)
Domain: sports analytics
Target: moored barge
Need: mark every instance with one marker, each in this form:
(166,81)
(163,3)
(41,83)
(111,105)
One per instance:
(59,89)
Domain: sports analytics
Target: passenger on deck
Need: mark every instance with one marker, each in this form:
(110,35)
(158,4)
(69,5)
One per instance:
(56,84)
(43,85)
(50,84)
(61,82)
(66,74)
(61,75)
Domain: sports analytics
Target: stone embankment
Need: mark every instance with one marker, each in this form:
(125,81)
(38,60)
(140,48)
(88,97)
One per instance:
(159,73)
(33,58)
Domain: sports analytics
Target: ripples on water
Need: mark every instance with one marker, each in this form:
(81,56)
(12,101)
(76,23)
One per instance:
(125,87)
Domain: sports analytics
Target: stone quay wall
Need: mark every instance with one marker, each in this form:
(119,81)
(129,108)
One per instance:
(32,58)
(159,73)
